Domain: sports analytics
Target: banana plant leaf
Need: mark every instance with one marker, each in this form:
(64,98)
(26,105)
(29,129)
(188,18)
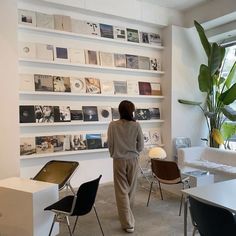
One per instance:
(231,78)
(187,102)
(229,95)
(229,112)
(228,130)
(205,81)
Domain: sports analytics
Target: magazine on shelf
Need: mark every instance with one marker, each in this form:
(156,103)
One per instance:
(132,61)
(78,26)
(107,86)
(58,143)
(142,114)
(44,20)
(44,52)
(26,82)
(155,88)
(155,64)
(44,144)
(144,37)
(43,82)
(104,113)
(120,33)
(154,38)
(115,113)
(146,137)
(44,114)
(120,87)
(78,142)
(132,35)
(76,113)
(27,146)
(77,85)
(91,28)
(104,140)
(26,17)
(61,54)
(144,88)
(27,114)
(27,50)
(120,60)
(143,63)
(154,113)
(155,135)
(94,141)
(92,85)
(62,114)
(106,59)
(106,31)
(132,87)
(62,22)
(91,57)
(90,113)
(76,55)
(61,84)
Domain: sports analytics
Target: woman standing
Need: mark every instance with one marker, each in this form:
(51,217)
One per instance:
(125,141)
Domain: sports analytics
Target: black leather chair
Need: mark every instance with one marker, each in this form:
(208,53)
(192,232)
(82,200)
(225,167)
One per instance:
(76,205)
(211,220)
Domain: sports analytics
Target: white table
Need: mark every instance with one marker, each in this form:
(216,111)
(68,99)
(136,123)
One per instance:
(222,194)
(22,207)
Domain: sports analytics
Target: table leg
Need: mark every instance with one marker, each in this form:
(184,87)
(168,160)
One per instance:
(185,215)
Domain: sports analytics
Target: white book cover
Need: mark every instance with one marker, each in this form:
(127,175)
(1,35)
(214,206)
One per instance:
(155,135)
(154,38)
(62,22)
(26,17)
(155,63)
(92,28)
(27,146)
(104,113)
(146,137)
(44,52)
(91,57)
(61,54)
(76,55)
(78,26)
(120,33)
(106,59)
(107,86)
(77,85)
(132,87)
(44,20)
(26,82)
(27,50)
(120,87)
(155,88)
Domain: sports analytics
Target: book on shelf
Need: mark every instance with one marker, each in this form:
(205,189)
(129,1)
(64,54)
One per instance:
(154,113)
(90,113)
(144,37)
(61,54)
(115,113)
(142,114)
(120,33)
(144,88)
(132,35)
(120,60)
(44,144)
(104,140)
(155,88)
(146,137)
(92,85)
(27,50)
(76,55)
(62,114)
(91,57)
(106,31)
(132,61)
(132,87)
(154,38)
(91,28)
(44,20)
(78,142)
(62,22)
(155,64)
(67,143)
(44,114)
(26,17)
(106,59)
(27,114)
(58,143)
(43,82)
(76,113)
(104,113)
(107,86)
(143,63)
(94,141)
(155,135)
(61,84)
(27,146)
(120,87)
(44,52)
(77,85)
(26,82)
(78,26)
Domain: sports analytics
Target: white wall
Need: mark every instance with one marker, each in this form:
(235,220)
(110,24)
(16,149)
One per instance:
(9,129)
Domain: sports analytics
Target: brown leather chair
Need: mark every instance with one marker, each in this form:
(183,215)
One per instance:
(167,172)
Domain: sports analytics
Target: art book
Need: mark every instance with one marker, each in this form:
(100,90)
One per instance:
(106,59)
(44,52)
(76,113)
(26,82)
(78,26)
(120,87)
(91,28)
(27,50)
(120,33)
(132,87)
(27,146)
(78,142)
(132,35)
(58,143)
(62,22)
(44,144)
(61,84)
(27,114)
(120,60)
(115,113)
(61,54)
(155,64)
(146,137)
(76,55)
(155,135)
(43,82)
(107,86)
(44,114)
(144,37)
(62,114)
(90,113)
(106,31)
(144,88)
(104,113)
(26,17)
(91,57)
(155,88)
(77,85)
(143,63)
(142,114)
(44,20)
(92,85)
(154,38)
(132,61)
(154,113)
(94,141)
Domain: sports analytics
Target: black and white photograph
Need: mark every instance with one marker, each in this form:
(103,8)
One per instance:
(58,143)
(143,63)
(120,87)
(104,113)
(115,113)
(27,146)
(132,35)
(132,61)
(91,57)
(27,114)
(62,114)
(92,28)
(61,54)
(61,84)
(142,114)
(154,113)
(92,85)
(43,83)
(154,38)
(155,64)
(144,37)
(77,85)
(44,114)
(120,60)
(155,137)
(44,144)
(120,33)
(146,137)
(90,113)
(94,141)
(78,142)
(106,31)
(26,17)
(76,113)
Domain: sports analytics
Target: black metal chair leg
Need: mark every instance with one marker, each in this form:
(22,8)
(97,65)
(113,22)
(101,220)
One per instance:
(149,193)
(68,225)
(54,220)
(98,220)
(160,190)
(181,203)
(75,224)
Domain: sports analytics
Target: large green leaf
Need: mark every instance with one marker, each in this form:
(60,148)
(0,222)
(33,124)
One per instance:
(187,102)
(205,43)
(228,130)
(204,79)
(231,78)
(229,95)
(229,112)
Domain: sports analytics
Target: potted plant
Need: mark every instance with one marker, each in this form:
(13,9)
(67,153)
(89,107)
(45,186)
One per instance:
(220,92)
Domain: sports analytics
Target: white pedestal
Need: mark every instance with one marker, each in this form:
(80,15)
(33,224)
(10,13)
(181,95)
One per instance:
(22,203)
(201,180)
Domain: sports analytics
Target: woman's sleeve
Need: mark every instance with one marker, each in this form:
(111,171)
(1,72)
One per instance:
(110,139)
(140,139)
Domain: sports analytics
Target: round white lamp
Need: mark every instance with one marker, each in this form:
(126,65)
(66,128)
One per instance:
(157,152)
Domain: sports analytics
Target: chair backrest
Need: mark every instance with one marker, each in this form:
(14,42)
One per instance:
(57,172)
(166,171)
(86,196)
(212,220)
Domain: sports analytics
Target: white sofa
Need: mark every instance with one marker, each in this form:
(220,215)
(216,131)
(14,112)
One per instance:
(220,162)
